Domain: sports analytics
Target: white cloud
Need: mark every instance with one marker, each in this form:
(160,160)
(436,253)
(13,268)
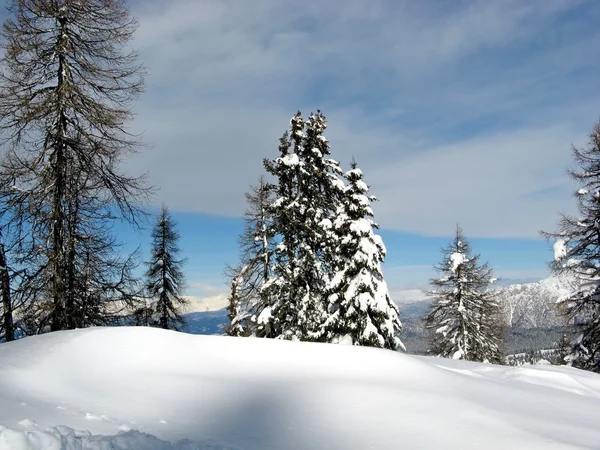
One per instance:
(426,96)
(492,185)
(206,289)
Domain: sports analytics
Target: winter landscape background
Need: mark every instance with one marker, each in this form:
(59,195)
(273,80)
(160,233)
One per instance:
(475,125)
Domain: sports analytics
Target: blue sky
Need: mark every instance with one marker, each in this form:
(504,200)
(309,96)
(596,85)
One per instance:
(459,111)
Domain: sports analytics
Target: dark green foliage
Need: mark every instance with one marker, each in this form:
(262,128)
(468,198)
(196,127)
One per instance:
(306,194)
(360,309)
(164,276)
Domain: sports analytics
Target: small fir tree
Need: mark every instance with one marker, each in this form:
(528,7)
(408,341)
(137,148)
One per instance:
(465,319)
(577,253)
(361,310)
(165,282)
(236,316)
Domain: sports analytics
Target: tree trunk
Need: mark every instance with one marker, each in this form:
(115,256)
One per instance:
(9,330)
(59,312)
(74,318)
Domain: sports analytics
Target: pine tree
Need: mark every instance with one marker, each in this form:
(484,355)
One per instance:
(577,253)
(465,320)
(254,269)
(65,93)
(165,281)
(236,316)
(307,194)
(361,310)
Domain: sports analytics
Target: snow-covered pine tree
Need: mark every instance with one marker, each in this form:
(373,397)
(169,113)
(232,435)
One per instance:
(307,194)
(465,319)
(361,310)
(254,269)
(577,253)
(237,316)
(164,276)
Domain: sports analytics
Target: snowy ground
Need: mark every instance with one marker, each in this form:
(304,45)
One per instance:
(141,388)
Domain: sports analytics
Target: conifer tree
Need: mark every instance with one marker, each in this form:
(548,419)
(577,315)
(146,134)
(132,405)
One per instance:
(307,194)
(236,316)
(577,253)
(254,269)
(360,309)
(164,276)
(465,319)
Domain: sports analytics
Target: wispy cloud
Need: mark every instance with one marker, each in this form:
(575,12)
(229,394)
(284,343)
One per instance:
(458,111)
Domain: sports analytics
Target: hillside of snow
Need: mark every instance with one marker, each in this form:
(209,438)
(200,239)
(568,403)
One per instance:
(144,388)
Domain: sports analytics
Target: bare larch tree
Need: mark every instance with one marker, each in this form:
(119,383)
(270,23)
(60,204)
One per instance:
(66,88)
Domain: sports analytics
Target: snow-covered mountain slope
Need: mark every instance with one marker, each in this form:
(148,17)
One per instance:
(405,296)
(206,322)
(243,393)
(203,304)
(533,305)
(527,305)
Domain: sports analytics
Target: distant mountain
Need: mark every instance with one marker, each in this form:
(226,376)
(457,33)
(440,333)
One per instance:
(405,296)
(534,305)
(206,322)
(529,309)
(206,315)
(202,304)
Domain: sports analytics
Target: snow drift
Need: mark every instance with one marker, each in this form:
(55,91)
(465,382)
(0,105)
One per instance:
(125,388)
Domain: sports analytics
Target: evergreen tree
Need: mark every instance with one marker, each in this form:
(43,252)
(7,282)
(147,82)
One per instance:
(465,319)
(254,269)
(361,310)
(577,253)
(65,93)
(165,281)
(307,194)
(236,316)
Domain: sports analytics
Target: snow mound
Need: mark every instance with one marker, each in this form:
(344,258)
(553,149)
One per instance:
(62,437)
(146,388)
